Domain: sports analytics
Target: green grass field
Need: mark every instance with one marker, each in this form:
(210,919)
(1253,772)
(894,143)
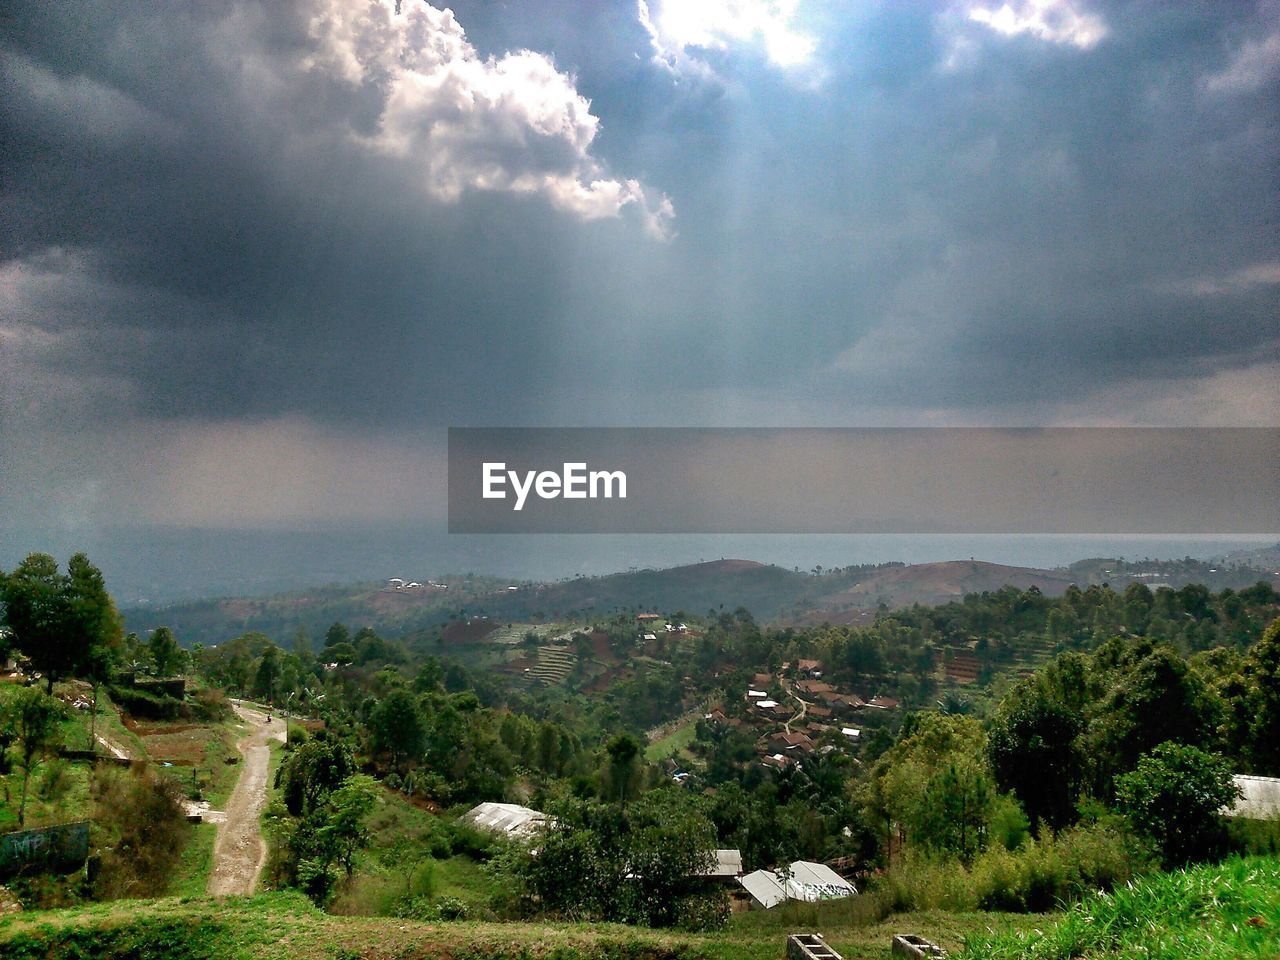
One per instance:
(679,739)
(1221,912)
(1228,911)
(284,926)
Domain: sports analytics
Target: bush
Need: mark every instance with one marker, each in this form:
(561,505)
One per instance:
(704,911)
(140,703)
(425,909)
(1174,798)
(209,705)
(140,833)
(1036,877)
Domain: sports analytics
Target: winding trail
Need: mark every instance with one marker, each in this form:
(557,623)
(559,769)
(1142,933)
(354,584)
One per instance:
(239,853)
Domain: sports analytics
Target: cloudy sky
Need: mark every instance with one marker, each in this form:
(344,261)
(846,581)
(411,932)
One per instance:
(257,255)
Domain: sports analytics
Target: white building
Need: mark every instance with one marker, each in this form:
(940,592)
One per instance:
(1259,799)
(803,880)
(508,818)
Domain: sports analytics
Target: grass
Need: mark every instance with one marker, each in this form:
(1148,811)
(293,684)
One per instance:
(1227,911)
(679,739)
(191,878)
(378,882)
(284,926)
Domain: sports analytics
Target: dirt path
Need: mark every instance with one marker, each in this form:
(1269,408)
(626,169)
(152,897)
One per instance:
(240,852)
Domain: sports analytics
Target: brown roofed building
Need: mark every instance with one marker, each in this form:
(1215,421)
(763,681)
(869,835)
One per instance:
(814,688)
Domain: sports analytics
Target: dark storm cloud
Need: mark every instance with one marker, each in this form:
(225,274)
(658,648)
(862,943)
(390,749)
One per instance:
(206,218)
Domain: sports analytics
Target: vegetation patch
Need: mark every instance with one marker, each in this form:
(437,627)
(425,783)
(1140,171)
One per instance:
(1227,911)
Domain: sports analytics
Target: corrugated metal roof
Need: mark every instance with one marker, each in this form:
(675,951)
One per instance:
(817,881)
(728,864)
(1260,798)
(764,887)
(807,881)
(509,818)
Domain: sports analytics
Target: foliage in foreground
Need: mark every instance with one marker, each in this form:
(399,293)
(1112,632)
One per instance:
(1227,911)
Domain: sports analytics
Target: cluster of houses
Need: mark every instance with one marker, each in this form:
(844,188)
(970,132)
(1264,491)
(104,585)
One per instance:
(808,709)
(396,583)
(760,889)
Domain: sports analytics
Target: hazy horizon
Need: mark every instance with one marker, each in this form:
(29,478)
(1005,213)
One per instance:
(164,565)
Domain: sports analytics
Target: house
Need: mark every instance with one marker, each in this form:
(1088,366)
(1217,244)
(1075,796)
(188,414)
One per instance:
(853,733)
(819,713)
(883,703)
(811,668)
(778,761)
(510,819)
(802,880)
(727,865)
(1259,798)
(757,695)
(814,688)
(783,742)
(648,617)
(765,704)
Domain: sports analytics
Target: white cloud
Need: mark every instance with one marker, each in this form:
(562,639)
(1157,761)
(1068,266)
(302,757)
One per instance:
(679,27)
(1257,275)
(1054,21)
(1256,62)
(1243,396)
(460,122)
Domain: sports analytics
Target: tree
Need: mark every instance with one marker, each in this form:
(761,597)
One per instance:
(267,676)
(623,751)
(336,634)
(1261,671)
(330,836)
(598,862)
(397,728)
(1034,754)
(312,772)
(1155,699)
(59,619)
(31,718)
(165,652)
(1175,797)
(344,832)
(954,810)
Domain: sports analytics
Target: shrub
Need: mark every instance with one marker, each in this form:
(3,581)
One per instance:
(209,705)
(1174,797)
(140,832)
(425,909)
(705,911)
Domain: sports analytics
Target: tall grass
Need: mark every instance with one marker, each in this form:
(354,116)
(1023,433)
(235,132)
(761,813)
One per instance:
(1227,911)
(1040,875)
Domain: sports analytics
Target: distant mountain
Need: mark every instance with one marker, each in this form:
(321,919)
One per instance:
(1268,557)
(850,595)
(936,583)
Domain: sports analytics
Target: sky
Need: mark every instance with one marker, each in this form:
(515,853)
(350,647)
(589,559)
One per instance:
(257,256)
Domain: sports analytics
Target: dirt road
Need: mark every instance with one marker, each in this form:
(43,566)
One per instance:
(239,852)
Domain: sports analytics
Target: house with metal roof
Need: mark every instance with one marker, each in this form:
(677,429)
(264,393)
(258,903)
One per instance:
(802,880)
(507,818)
(1259,798)
(728,864)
